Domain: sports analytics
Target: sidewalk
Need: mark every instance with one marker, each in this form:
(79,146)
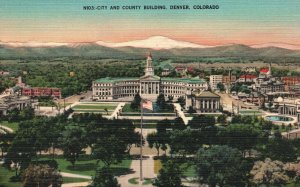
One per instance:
(148,172)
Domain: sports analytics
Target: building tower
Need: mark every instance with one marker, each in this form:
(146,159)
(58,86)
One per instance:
(149,71)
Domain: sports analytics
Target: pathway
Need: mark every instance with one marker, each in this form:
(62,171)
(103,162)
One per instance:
(117,111)
(180,113)
(7,129)
(75,184)
(148,172)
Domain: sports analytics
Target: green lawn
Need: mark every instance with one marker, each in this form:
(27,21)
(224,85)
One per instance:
(5,175)
(71,180)
(86,166)
(94,107)
(13,125)
(94,111)
(127,108)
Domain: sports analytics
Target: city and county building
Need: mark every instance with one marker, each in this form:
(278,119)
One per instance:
(8,103)
(203,101)
(148,86)
(214,80)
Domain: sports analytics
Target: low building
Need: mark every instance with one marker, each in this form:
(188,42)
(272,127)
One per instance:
(13,102)
(42,92)
(247,78)
(270,85)
(203,101)
(228,79)
(290,82)
(214,80)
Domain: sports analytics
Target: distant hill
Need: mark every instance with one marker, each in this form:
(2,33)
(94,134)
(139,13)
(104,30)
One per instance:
(162,47)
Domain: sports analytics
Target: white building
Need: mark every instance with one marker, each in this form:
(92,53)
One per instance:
(214,80)
(148,86)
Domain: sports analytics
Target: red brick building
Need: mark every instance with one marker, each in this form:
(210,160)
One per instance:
(290,81)
(37,92)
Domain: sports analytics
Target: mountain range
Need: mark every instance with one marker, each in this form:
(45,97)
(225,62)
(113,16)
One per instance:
(162,47)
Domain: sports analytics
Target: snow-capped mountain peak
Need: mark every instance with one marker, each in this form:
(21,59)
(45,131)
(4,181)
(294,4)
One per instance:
(154,42)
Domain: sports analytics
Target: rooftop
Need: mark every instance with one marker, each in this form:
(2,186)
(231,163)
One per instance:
(206,94)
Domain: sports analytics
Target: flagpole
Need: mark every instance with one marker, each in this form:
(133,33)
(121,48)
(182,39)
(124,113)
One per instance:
(141,146)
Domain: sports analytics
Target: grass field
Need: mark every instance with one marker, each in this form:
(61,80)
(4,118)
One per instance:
(157,166)
(5,175)
(13,125)
(127,109)
(86,166)
(99,107)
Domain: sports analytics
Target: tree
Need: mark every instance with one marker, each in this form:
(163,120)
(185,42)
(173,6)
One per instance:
(154,140)
(191,110)
(181,101)
(106,110)
(268,172)
(178,124)
(185,142)
(27,113)
(135,104)
(222,119)
(41,176)
(221,87)
(22,150)
(5,141)
(73,142)
(220,165)
(206,125)
(104,178)
(170,99)
(110,149)
(280,149)
(169,175)
(202,121)
(161,102)
(242,137)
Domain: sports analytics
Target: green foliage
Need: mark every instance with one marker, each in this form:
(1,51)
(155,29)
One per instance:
(220,165)
(169,175)
(185,142)
(73,142)
(135,104)
(104,178)
(222,119)
(191,110)
(155,139)
(181,101)
(242,137)
(280,149)
(161,102)
(178,124)
(221,87)
(202,121)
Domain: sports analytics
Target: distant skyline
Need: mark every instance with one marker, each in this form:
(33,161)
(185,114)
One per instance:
(246,22)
